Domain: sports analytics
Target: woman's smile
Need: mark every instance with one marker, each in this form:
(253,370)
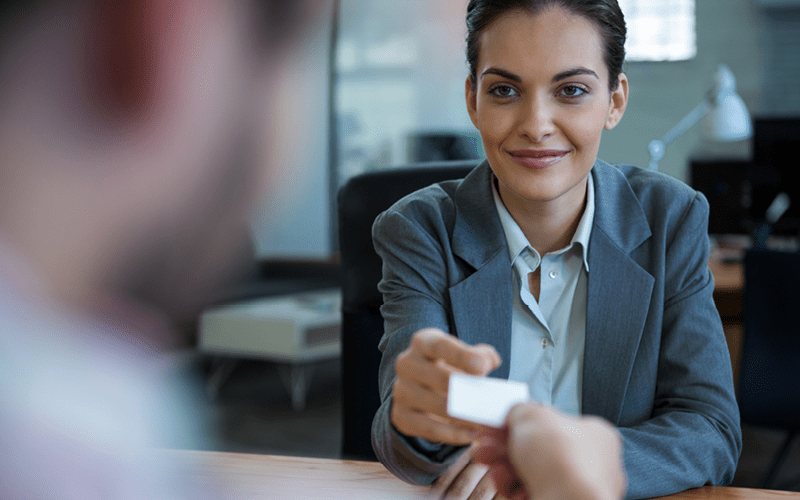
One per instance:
(538,158)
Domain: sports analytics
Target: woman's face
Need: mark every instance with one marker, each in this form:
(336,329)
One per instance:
(541,102)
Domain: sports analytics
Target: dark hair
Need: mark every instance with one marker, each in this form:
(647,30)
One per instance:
(604,14)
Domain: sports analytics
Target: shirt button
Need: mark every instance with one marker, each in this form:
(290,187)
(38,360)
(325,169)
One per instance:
(544,342)
(553,273)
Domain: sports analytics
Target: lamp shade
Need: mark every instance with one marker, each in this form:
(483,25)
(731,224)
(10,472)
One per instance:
(728,119)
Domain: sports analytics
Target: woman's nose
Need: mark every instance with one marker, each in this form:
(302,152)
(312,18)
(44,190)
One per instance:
(536,122)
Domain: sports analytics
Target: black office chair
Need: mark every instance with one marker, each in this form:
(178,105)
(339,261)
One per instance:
(769,376)
(360,201)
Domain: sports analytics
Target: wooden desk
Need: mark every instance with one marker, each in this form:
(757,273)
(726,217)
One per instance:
(258,477)
(242,476)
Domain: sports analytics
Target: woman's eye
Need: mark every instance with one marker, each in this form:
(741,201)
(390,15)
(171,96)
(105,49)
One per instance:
(503,91)
(573,91)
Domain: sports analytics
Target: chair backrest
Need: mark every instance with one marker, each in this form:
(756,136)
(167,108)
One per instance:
(360,201)
(769,375)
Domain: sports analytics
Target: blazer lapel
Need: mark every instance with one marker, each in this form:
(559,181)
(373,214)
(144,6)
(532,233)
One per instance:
(619,292)
(482,309)
(482,301)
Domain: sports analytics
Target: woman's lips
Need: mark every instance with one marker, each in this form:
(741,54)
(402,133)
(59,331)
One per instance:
(538,158)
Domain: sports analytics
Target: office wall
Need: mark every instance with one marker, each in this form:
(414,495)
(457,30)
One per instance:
(728,31)
(294,219)
(400,70)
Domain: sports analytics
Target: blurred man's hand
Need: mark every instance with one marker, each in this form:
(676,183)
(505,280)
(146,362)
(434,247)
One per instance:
(545,454)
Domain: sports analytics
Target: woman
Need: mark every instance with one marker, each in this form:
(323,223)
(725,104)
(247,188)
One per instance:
(589,280)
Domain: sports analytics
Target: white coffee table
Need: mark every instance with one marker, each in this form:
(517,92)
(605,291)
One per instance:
(293,330)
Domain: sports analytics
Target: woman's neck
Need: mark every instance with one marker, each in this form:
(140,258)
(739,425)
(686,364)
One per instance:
(548,225)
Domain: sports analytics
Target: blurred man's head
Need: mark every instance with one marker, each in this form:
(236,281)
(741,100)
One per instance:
(131,136)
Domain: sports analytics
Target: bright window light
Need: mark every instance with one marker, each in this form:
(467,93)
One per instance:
(660,30)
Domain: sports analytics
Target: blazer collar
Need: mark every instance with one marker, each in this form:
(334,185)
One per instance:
(618,212)
(478,234)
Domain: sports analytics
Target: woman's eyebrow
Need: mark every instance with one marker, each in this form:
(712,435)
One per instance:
(560,76)
(574,72)
(501,72)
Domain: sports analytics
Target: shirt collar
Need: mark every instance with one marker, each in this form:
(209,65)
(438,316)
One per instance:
(516,240)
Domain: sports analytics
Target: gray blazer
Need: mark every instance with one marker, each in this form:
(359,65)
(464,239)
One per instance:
(656,363)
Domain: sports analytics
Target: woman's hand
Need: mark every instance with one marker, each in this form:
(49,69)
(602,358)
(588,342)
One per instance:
(464,480)
(419,393)
(545,454)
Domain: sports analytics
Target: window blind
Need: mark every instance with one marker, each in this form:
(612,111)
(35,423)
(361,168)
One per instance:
(660,30)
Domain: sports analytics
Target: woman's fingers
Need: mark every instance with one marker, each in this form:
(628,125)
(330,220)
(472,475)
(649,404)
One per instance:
(419,393)
(465,480)
(427,426)
(442,484)
(435,344)
(492,450)
(415,397)
(417,370)
(485,489)
(506,480)
(489,353)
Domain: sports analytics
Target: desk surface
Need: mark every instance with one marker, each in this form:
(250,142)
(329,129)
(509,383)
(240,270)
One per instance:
(243,476)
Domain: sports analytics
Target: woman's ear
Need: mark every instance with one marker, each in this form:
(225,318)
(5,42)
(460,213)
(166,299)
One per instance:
(619,100)
(470,92)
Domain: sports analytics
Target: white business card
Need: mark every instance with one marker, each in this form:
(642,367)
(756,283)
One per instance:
(483,400)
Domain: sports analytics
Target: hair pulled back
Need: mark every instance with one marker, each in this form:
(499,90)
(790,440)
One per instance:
(605,15)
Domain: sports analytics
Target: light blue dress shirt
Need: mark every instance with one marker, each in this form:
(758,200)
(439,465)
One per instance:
(548,336)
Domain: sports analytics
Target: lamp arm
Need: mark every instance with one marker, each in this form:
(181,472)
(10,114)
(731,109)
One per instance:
(658,147)
(687,122)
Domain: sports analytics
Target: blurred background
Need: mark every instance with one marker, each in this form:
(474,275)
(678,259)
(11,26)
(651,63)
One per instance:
(379,85)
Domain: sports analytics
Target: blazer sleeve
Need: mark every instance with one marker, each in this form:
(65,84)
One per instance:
(414,288)
(694,435)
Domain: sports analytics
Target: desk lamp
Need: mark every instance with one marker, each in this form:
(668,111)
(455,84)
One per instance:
(726,117)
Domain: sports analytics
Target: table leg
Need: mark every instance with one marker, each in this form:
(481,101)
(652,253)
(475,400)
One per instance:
(296,378)
(221,370)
